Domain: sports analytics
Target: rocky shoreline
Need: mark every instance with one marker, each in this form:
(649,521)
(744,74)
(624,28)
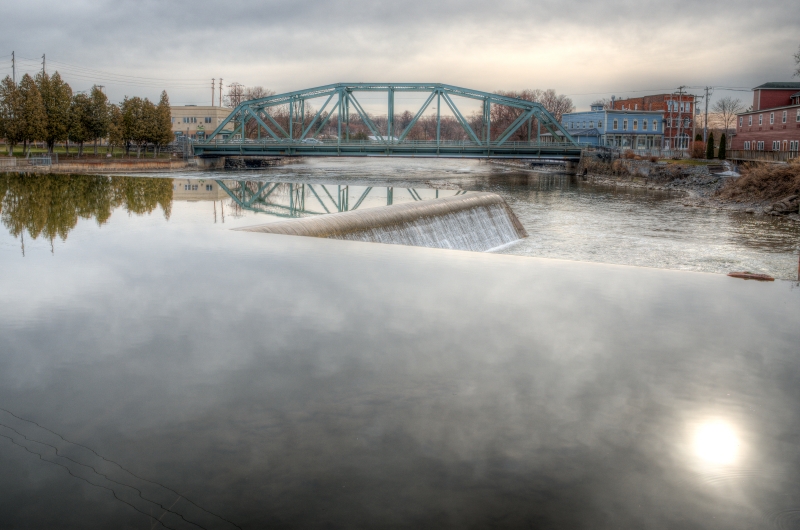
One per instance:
(696,185)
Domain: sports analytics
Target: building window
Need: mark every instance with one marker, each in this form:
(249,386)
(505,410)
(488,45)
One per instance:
(747,146)
(644,125)
(776,145)
(209,187)
(636,106)
(771,118)
(798,115)
(686,122)
(741,121)
(783,119)
(208,119)
(635,125)
(616,123)
(624,125)
(761,119)
(750,120)
(669,122)
(760,146)
(794,145)
(655,125)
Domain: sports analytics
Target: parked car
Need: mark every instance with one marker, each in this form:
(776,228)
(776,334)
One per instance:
(312,141)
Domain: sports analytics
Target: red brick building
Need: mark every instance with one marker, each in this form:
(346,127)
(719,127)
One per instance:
(678,118)
(774,122)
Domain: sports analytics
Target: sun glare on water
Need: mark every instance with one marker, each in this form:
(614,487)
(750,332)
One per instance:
(716,443)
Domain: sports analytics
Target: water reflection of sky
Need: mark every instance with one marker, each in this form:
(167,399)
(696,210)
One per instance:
(281,381)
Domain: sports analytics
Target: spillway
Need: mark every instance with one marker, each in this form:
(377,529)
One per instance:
(476,222)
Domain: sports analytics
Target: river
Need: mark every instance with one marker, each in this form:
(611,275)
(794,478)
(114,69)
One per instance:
(160,370)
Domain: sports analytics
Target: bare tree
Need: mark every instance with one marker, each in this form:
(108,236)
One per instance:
(725,111)
(604,102)
(797,62)
(257,92)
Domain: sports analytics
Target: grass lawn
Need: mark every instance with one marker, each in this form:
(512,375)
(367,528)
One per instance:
(88,152)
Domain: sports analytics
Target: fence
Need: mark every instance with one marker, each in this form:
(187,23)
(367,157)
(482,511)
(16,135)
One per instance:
(8,162)
(762,156)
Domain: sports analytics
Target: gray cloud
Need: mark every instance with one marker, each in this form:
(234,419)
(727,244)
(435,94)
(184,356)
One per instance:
(579,48)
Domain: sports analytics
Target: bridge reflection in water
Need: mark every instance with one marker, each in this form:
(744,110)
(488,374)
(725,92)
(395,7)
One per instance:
(284,199)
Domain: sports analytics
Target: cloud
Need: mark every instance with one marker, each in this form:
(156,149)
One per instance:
(575,47)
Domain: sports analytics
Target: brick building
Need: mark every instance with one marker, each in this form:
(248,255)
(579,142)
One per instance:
(774,122)
(678,110)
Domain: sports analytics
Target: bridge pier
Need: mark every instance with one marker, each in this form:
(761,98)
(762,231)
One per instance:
(215,162)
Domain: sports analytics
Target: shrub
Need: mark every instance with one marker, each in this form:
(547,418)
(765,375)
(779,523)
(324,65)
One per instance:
(764,182)
(629,155)
(697,149)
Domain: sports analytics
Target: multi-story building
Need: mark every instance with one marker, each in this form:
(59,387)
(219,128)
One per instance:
(197,122)
(678,110)
(774,122)
(631,129)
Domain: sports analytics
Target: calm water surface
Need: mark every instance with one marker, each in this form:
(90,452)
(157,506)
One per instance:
(183,375)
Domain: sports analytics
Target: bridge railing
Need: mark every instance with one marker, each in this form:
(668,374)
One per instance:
(379,144)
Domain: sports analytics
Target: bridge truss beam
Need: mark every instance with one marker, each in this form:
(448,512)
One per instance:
(342,93)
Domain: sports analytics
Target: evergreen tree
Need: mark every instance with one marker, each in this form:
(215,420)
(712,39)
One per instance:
(698,137)
(57,97)
(98,119)
(722,147)
(80,117)
(163,126)
(115,138)
(710,146)
(33,115)
(134,129)
(11,126)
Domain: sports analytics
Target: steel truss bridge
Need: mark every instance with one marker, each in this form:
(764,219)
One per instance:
(340,101)
(300,200)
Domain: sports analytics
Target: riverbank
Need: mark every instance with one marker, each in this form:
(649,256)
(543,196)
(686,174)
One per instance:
(762,190)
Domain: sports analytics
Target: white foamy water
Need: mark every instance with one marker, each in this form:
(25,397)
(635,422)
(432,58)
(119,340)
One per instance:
(476,229)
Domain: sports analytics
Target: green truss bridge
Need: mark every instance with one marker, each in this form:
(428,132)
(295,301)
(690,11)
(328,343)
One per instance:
(280,125)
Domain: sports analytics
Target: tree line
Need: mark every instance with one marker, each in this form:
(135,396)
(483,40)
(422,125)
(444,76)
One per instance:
(45,109)
(51,205)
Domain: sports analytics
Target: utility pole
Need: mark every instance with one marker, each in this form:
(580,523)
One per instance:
(212,91)
(44,71)
(13,69)
(101,87)
(705,120)
(220,91)
(680,115)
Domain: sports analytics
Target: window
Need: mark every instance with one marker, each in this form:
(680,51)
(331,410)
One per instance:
(750,120)
(644,125)
(783,119)
(624,125)
(760,146)
(208,119)
(771,118)
(635,125)
(173,120)
(209,187)
(616,123)
(760,119)
(776,145)
(636,106)
(688,107)
(747,146)
(669,122)
(599,124)
(655,125)
(798,115)
(686,122)
(794,145)
(741,121)
(681,107)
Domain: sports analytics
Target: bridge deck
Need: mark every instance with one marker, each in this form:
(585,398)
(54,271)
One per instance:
(545,150)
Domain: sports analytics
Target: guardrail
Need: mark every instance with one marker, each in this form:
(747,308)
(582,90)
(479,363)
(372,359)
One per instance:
(378,143)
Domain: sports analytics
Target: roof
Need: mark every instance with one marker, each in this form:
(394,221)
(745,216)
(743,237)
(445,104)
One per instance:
(779,85)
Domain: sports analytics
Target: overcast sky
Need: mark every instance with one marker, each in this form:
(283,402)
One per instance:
(580,48)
